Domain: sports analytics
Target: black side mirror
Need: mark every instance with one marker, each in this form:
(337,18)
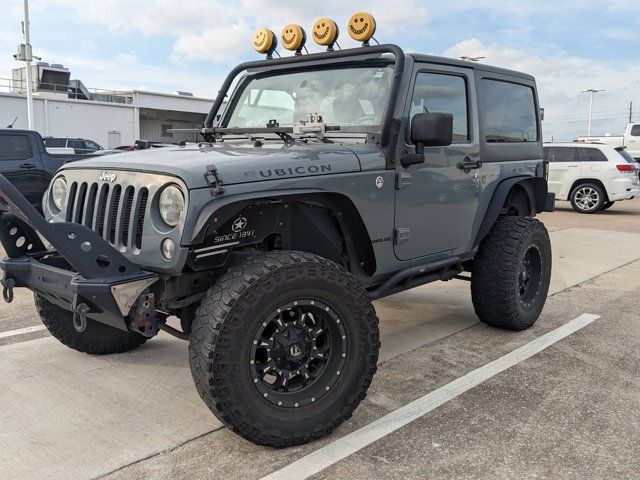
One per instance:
(429,130)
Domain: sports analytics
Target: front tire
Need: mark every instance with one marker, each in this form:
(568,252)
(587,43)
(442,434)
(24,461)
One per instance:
(511,273)
(97,339)
(283,348)
(607,205)
(588,198)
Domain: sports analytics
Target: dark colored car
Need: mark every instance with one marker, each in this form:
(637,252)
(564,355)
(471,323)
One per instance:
(26,163)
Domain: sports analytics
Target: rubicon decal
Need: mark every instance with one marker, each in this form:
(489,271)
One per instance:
(289,171)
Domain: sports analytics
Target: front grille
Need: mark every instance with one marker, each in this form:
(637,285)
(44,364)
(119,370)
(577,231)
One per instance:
(115,212)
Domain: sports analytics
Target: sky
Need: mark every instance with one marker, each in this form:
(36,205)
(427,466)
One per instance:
(189,45)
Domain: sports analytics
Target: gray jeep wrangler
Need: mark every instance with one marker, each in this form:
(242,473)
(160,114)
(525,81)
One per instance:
(329,180)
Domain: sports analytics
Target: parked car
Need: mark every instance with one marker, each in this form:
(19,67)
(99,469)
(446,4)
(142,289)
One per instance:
(27,164)
(592,176)
(271,239)
(79,145)
(630,140)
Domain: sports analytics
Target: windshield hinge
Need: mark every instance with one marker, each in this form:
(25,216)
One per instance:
(213,179)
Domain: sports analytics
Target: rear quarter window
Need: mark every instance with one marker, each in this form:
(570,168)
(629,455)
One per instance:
(591,155)
(509,112)
(15,147)
(635,131)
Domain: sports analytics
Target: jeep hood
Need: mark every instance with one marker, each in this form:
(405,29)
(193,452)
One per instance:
(235,164)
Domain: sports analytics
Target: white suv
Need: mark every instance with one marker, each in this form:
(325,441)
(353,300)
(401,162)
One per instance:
(592,176)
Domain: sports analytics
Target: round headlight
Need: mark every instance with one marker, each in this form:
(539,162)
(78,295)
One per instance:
(59,192)
(171,205)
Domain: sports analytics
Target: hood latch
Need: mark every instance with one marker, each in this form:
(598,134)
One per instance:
(213,179)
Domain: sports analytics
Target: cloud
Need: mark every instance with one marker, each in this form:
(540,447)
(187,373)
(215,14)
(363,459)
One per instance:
(221,31)
(219,44)
(560,79)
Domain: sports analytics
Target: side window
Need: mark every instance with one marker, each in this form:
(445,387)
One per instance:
(635,131)
(509,112)
(561,154)
(92,145)
(15,147)
(79,144)
(55,142)
(591,155)
(436,92)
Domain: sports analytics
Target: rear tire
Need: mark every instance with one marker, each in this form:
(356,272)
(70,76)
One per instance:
(283,347)
(588,198)
(511,273)
(97,339)
(607,205)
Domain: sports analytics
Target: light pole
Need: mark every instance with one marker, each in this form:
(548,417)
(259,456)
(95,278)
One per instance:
(25,54)
(591,91)
(29,57)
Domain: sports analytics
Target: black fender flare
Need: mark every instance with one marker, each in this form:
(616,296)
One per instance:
(351,224)
(536,189)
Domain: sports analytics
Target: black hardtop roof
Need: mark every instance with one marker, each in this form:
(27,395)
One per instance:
(419,57)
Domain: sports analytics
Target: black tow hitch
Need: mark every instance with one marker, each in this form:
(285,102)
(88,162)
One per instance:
(81,272)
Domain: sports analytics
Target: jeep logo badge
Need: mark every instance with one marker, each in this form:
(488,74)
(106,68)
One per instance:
(107,177)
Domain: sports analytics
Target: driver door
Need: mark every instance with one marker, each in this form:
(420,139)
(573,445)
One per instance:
(437,201)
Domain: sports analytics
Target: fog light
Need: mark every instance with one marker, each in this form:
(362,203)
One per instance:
(168,248)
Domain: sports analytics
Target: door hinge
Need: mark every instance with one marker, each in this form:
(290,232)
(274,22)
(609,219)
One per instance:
(401,235)
(403,179)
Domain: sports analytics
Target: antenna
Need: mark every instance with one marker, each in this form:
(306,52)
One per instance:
(13,123)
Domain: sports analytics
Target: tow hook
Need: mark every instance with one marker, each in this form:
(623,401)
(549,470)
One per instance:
(80,317)
(7,290)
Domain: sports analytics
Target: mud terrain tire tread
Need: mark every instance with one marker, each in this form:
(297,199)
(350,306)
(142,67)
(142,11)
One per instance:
(218,321)
(97,339)
(495,273)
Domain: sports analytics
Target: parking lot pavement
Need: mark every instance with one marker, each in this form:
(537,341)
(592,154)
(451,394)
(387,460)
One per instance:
(67,415)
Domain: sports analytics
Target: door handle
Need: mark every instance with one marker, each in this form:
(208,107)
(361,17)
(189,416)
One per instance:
(27,166)
(467,164)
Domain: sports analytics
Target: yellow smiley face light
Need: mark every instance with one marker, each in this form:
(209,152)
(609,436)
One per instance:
(265,41)
(293,38)
(325,32)
(362,26)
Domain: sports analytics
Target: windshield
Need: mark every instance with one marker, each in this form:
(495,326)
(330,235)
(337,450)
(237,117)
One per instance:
(355,96)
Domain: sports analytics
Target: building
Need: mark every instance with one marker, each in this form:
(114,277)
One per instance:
(66,108)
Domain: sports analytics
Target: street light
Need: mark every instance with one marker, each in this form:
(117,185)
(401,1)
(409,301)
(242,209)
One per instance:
(591,91)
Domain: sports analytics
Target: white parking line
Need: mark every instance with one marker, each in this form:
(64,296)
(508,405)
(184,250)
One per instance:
(22,331)
(355,441)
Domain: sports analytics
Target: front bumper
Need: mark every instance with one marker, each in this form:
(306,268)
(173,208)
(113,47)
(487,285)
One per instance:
(80,272)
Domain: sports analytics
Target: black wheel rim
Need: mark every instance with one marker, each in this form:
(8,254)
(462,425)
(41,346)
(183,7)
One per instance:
(529,275)
(298,353)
